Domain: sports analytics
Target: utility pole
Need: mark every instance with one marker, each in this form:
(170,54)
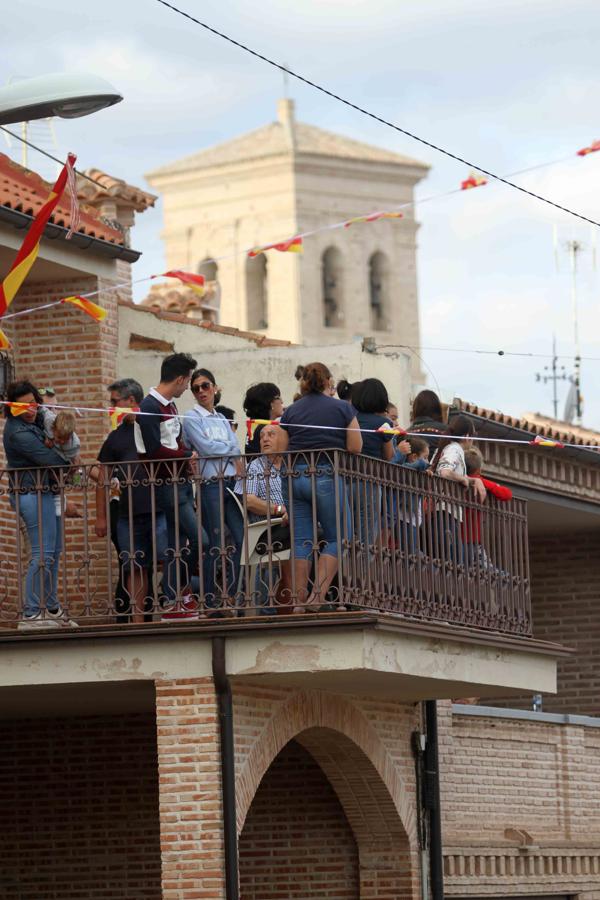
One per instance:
(551,374)
(575,247)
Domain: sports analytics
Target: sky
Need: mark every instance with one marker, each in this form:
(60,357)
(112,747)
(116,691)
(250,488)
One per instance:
(506,85)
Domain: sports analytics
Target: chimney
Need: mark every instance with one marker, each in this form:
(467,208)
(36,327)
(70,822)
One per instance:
(285,115)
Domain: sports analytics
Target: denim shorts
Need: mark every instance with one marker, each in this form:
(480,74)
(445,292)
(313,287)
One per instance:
(141,538)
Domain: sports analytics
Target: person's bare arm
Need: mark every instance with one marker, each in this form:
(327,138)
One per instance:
(388,450)
(353,437)
(261,508)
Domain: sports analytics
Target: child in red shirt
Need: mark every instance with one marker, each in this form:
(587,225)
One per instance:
(471,525)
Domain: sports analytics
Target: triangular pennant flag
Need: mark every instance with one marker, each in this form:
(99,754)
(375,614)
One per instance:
(593,148)
(374,217)
(474,180)
(92,309)
(193,281)
(294,245)
(4,341)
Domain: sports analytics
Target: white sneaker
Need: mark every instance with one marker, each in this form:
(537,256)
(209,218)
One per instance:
(34,623)
(59,616)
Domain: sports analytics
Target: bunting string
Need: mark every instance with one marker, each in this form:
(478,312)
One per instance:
(117,413)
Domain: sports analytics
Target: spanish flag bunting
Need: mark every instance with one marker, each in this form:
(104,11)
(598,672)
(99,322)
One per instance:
(30,247)
(593,148)
(294,245)
(253,424)
(373,218)
(540,441)
(473,181)
(195,282)
(389,429)
(17,408)
(118,413)
(4,341)
(92,309)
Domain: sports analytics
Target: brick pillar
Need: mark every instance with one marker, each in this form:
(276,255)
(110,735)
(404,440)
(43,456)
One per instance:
(191,816)
(65,348)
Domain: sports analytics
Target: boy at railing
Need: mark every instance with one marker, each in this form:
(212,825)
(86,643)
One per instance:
(412,453)
(471,526)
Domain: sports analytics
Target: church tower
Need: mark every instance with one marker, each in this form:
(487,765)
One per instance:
(284,179)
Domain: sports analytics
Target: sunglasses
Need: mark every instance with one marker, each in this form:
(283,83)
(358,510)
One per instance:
(203,386)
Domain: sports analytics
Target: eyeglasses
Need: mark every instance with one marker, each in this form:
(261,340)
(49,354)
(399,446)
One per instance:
(203,386)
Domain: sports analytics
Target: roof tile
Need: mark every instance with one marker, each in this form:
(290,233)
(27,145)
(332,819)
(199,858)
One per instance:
(25,191)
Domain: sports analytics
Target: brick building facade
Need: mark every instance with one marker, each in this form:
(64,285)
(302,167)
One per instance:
(111,759)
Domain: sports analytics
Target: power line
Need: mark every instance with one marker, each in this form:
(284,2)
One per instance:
(485,352)
(371,115)
(55,159)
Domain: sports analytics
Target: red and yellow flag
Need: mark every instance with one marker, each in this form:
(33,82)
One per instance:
(474,180)
(373,218)
(4,341)
(92,309)
(30,247)
(118,413)
(540,441)
(195,282)
(294,245)
(17,408)
(593,148)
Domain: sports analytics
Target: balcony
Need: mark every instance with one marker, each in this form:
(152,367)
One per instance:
(368,574)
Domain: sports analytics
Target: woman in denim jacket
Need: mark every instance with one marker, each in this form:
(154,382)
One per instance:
(33,486)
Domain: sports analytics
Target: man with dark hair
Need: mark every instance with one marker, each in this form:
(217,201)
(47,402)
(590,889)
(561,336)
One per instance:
(138,536)
(159,437)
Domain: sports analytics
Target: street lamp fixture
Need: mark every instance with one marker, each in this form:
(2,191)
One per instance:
(65,94)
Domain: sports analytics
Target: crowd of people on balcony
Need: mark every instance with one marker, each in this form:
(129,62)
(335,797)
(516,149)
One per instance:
(178,499)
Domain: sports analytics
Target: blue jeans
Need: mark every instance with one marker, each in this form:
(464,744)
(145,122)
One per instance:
(326,512)
(212,500)
(40,583)
(137,545)
(367,512)
(187,535)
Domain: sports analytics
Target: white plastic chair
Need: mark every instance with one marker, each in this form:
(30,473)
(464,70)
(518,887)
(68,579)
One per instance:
(251,558)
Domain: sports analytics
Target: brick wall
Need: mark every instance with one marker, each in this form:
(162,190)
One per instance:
(362,745)
(66,349)
(79,809)
(191,818)
(565,573)
(297,842)
(565,579)
(520,805)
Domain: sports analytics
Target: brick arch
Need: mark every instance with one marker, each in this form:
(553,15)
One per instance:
(361,758)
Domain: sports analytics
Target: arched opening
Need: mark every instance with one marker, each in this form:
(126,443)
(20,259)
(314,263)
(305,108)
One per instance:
(297,841)
(256,293)
(323,822)
(209,269)
(332,286)
(379,276)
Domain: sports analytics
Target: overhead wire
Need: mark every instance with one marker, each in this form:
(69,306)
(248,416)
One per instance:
(55,159)
(371,115)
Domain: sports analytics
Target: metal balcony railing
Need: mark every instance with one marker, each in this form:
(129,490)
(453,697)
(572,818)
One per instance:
(323,531)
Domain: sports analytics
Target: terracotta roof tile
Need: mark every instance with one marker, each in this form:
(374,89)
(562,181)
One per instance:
(25,191)
(115,188)
(534,424)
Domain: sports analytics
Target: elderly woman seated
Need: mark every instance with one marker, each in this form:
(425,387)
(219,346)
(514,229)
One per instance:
(264,503)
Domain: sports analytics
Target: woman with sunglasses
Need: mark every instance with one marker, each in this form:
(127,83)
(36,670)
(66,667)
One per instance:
(209,433)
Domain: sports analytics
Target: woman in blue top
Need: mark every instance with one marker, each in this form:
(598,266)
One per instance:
(210,434)
(369,398)
(33,491)
(340,431)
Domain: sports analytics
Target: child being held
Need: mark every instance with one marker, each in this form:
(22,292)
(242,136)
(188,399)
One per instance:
(60,433)
(471,525)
